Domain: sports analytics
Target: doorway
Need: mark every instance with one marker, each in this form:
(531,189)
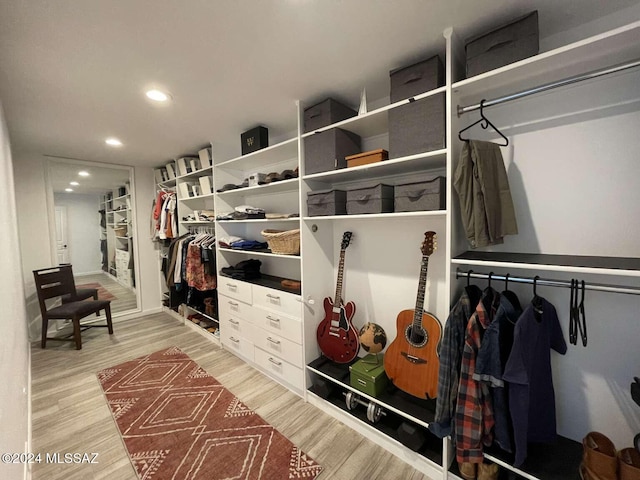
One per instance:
(92,214)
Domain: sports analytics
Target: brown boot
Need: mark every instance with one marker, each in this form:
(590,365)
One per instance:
(467,470)
(629,464)
(599,461)
(487,471)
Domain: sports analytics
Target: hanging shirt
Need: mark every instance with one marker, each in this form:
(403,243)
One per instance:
(450,359)
(528,371)
(474,413)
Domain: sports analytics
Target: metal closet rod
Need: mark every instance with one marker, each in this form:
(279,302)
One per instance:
(549,86)
(600,287)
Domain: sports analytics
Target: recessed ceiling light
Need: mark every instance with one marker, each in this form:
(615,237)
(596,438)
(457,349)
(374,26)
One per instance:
(157,95)
(83,173)
(68,189)
(114,142)
(75,184)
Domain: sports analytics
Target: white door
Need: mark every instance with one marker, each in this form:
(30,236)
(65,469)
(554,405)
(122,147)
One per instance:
(62,247)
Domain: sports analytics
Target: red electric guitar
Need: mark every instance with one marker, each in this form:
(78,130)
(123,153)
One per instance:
(411,361)
(337,337)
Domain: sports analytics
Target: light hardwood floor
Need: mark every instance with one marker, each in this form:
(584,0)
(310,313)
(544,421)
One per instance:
(125,297)
(70,413)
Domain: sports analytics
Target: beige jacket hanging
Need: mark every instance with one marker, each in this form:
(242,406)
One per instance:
(486,206)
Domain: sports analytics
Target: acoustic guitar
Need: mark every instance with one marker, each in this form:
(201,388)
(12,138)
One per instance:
(411,361)
(337,337)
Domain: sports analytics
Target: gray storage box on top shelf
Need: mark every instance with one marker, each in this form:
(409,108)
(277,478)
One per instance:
(415,79)
(501,46)
(326,202)
(375,199)
(419,196)
(417,127)
(327,150)
(325,113)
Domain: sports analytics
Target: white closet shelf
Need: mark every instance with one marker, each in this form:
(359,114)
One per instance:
(374,122)
(403,165)
(168,183)
(122,197)
(256,160)
(196,222)
(387,216)
(123,238)
(600,51)
(202,331)
(623,266)
(196,173)
(258,253)
(290,184)
(262,220)
(198,197)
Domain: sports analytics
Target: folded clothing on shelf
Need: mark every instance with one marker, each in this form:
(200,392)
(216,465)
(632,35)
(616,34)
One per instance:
(249,245)
(245,270)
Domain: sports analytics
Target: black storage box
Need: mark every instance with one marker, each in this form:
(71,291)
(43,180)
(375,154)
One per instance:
(254,139)
(417,127)
(376,199)
(325,113)
(122,191)
(416,79)
(326,202)
(327,150)
(503,45)
(418,196)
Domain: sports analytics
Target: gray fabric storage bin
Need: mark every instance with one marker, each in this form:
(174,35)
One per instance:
(326,202)
(327,150)
(325,113)
(417,127)
(503,45)
(376,199)
(418,196)
(416,79)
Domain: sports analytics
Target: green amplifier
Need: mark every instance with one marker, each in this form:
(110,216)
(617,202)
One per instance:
(368,375)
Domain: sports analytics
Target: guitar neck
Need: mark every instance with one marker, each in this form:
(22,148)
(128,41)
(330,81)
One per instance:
(338,298)
(417,315)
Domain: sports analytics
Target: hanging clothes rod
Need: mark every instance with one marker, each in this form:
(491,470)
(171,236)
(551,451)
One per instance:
(600,287)
(549,86)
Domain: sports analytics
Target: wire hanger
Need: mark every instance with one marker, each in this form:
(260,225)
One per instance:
(484,123)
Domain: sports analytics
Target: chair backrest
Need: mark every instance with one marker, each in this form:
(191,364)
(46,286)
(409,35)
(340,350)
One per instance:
(53,282)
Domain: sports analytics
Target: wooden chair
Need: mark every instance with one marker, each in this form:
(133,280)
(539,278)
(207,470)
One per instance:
(58,282)
(81,293)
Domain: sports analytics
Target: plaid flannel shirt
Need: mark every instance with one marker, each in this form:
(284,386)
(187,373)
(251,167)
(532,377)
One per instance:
(474,411)
(450,359)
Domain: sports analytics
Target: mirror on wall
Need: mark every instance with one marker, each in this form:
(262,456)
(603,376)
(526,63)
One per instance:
(94,224)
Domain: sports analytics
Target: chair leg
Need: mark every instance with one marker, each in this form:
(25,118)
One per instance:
(95,297)
(45,327)
(76,333)
(107,311)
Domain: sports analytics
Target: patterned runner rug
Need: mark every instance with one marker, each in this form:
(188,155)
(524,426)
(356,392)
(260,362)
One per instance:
(103,293)
(179,422)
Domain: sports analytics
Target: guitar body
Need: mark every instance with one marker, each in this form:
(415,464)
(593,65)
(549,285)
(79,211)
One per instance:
(412,368)
(336,335)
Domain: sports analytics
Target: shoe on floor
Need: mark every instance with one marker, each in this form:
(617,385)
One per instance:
(599,460)
(629,464)
(467,470)
(487,471)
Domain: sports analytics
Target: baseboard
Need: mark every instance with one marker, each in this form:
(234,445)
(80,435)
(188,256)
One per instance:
(86,274)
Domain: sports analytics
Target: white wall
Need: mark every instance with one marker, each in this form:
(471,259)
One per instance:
(15,353)
(83,229)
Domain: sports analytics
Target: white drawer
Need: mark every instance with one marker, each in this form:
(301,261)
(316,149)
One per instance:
(277,300)
(234,289)
(273,364)
(277,345)
(232,325)
(234,308)
(274,322)
(122,255)
(234,342)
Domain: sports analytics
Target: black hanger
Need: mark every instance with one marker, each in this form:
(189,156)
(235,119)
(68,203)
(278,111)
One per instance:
(537,301)
(573,312)
(484,123)
(582,322)
(469,277)
(506,282)
(489,283)
(511,295)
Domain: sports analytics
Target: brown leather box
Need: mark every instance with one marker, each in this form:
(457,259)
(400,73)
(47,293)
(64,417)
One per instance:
(365,158)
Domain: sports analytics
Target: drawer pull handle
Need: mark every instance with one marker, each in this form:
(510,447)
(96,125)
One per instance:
(275,362)
(231,285)
(234,322)
(235,340)
(276,342)
(273,297)
(233,304)
(270,318)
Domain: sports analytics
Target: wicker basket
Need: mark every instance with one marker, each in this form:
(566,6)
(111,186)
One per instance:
(283,242)
(120,231)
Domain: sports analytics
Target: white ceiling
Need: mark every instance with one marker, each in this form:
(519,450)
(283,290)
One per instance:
(73,72)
